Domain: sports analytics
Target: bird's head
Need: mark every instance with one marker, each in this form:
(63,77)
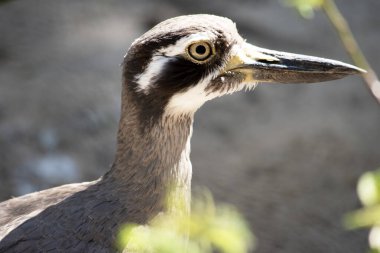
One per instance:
(181,63)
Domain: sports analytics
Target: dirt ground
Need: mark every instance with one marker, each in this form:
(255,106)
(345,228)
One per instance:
(288,156)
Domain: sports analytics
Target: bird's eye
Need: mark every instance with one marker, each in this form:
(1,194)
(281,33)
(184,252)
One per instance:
(200,51)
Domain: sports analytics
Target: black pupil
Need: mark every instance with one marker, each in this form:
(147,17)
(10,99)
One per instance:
(200,49)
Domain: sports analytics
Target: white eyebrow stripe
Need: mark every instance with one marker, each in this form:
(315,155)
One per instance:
(179,47)
(144,80)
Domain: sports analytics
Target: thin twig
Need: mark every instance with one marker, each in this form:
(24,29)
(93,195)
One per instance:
(349,42)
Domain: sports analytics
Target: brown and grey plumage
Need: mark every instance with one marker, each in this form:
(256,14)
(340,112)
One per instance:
(168,73)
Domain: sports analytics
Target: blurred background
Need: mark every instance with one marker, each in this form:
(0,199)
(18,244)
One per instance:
(288,156)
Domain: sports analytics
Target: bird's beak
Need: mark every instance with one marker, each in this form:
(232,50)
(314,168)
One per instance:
(264,65)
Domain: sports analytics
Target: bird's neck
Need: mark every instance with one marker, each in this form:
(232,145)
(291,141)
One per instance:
(151,159)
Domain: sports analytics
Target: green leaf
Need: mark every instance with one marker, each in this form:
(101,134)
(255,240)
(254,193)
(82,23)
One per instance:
(209,227)
(365,217)
(369,188)
(374,239)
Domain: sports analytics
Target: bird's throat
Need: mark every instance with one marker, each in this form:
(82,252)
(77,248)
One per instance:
(151,162)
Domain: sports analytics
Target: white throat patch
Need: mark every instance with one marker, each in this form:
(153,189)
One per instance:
(190,100)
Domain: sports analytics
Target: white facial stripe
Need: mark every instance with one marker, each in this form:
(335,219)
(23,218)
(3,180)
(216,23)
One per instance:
(144,80)
(192,99)
(180,46)
(162,57)
(189,101)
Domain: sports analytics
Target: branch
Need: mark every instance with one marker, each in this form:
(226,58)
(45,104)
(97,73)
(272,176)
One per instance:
(351,46)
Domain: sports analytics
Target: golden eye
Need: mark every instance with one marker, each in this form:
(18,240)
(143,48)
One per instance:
(200,51)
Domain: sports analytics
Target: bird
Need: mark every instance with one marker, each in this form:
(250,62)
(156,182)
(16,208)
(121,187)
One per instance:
(168,73)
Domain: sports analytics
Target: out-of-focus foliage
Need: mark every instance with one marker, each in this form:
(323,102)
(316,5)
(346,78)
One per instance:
(209,227)
(305,7)
(369,216)
(369,188)
(369,184)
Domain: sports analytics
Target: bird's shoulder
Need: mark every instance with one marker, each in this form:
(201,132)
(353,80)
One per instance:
(15,211)
(69,218)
